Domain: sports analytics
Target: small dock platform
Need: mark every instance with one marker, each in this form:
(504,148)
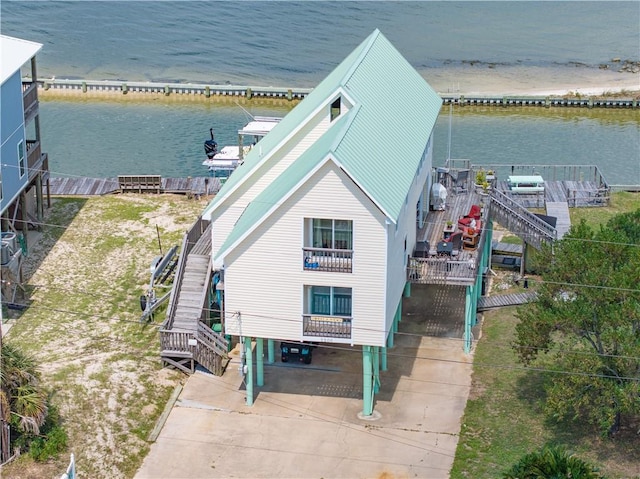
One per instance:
(80,186)
(501,300)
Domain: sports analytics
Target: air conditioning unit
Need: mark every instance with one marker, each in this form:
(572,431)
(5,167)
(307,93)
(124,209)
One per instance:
(12,239)
(6,253)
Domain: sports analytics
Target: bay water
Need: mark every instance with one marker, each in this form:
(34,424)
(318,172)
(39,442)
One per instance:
(454,45)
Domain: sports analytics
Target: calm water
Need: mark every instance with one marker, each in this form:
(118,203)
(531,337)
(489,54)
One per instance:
(287,43)
(300,42)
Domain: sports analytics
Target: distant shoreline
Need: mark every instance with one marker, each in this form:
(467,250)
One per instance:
(74,90)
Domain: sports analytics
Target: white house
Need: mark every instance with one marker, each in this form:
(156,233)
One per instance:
(311,234)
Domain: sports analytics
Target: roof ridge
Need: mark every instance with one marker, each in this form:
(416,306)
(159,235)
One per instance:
(365,51)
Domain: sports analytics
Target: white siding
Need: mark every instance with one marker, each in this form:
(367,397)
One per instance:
(289,152)
(264,276)
(226,215)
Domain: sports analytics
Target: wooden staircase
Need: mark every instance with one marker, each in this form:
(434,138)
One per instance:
(193,292)
(184,338)
(520,221)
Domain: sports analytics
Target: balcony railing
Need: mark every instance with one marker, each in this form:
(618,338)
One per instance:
(33,154)
(327,259)
(29,99)
(327,326)
(441,271)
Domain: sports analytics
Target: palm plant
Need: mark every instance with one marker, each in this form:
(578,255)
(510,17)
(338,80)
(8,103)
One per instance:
(24,402)
(552,462)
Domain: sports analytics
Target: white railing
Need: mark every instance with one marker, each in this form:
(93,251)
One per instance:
(326,326)
(70,473)
(327,259)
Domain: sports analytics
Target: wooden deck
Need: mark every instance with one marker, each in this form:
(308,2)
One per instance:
(577,194)
(80,186)
(506,249)
(460,269)
(501,300)
(568,186)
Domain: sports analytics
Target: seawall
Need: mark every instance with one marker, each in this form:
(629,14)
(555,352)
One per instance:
(201,92)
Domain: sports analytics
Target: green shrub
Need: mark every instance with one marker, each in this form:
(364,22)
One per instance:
(50,446)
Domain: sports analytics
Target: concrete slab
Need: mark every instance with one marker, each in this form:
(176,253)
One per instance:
(304,422)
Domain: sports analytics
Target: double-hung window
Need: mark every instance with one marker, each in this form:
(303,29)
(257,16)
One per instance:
(332,234)
(330,301)
(328,245)
(327,312)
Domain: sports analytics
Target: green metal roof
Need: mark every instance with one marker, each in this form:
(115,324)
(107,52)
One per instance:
(379,143)
(292,120)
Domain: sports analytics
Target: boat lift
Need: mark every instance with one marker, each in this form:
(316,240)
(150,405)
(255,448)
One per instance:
(162,267)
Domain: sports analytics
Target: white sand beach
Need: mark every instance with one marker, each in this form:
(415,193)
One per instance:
(502,80)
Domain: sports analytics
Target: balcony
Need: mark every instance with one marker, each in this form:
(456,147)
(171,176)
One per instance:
(30,100)
(326,326)
(327,259)
(36,160)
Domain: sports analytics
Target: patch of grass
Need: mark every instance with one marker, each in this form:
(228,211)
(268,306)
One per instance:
(511,239)
(113,209)
(621,201)
(491,437)
(504,417)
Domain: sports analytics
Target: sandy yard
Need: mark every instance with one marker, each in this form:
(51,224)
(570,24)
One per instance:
(84,277)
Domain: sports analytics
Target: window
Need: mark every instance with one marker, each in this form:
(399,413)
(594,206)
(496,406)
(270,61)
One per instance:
(332,234)
(21,157)
(330,301)
(335,109)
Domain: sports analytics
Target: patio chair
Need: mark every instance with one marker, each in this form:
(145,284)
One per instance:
(461,181)
(456,243)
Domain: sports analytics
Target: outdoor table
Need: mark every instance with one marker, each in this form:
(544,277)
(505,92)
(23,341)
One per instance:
(444,248)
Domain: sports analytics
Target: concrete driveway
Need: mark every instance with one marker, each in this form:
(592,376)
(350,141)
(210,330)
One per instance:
(304,422)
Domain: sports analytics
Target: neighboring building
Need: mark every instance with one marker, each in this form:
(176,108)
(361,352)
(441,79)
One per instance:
(311,235)
(23,165)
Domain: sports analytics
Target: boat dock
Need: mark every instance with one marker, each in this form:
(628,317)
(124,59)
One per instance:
(291,93)
(78,186)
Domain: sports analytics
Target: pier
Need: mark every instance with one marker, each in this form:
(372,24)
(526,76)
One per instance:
(289,93)
(79,186)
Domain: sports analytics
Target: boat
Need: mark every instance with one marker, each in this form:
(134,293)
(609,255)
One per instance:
(223,162)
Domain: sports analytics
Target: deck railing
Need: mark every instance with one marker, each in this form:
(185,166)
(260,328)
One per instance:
(509,212)
(212,340)
(29,99)
(176,341)
(549,172)
(327,259)
(441,270)
(34,155)
(326,326)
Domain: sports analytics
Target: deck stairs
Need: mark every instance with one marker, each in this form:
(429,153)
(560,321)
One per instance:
(185,339)
(521,221)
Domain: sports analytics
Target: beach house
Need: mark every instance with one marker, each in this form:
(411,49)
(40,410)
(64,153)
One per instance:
(312,234)
(23,165)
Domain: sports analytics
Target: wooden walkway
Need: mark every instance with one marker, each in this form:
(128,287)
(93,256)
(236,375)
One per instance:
(575,193)
(500,300)
(103,186)
(560,210)
(193,291)
(507,249)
